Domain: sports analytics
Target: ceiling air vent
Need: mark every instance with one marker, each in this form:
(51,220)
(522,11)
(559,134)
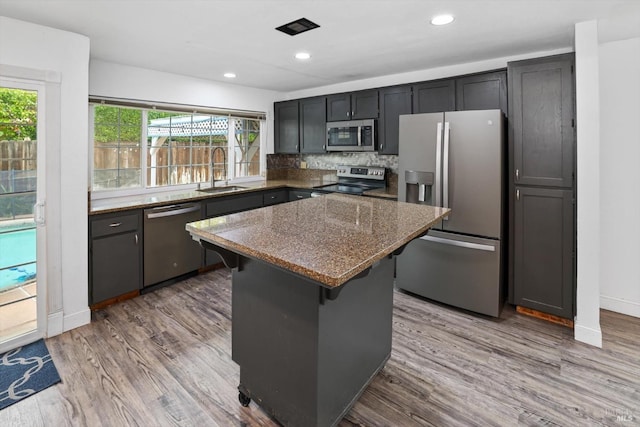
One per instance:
(298,26)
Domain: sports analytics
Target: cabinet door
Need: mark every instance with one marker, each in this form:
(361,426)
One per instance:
(543,250)
(219,206)
(393,102)
(339,107)
(541,121)
(434,97)
(486,91)
(313,125)
(286,127)
(364,105)
(115,265)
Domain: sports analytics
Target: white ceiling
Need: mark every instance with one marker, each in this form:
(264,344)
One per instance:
(357,39)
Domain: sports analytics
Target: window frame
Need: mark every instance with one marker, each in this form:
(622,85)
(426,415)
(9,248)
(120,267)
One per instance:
(145,107)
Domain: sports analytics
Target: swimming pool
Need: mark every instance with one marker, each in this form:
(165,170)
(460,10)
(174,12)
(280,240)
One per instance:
(17,254)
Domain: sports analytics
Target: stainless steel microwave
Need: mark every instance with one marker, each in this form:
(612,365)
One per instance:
(352,135)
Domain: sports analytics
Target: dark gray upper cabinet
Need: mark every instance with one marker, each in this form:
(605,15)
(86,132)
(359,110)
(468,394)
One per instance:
(486,91)
(115,255)
(394,101)
(286,129)
(541,120)
(543,243)
(434,97)
(353,106)
(313,125)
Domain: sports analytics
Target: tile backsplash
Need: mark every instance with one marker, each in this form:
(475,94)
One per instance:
(330,161)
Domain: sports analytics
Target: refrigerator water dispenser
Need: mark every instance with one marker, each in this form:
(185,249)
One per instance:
(418,187)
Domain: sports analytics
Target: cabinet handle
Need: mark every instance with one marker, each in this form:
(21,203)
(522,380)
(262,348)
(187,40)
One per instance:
(381,146)
(517,174)
(300,197)
(136,239)
(324,147)
(115,224)
(517,194)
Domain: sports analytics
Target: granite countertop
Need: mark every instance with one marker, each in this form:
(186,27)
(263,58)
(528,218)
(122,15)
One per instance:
(386,193)
(329,239)
(182,196)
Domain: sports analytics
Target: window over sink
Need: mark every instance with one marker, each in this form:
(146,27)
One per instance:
(138,147)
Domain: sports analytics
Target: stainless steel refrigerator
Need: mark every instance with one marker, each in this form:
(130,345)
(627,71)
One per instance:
(455,159)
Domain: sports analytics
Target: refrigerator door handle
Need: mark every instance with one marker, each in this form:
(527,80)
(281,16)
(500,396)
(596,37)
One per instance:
(467,245)
(438,164)
(445,172)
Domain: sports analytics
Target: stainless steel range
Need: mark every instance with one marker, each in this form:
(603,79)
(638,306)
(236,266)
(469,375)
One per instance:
(357,179)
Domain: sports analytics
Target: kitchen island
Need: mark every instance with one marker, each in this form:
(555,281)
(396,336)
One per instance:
(312,298)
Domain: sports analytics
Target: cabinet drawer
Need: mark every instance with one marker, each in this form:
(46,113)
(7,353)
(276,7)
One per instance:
(299,194)
(227,205)
(114,224)
(275,197)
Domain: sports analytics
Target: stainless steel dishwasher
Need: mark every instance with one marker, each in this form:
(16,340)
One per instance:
(169,250)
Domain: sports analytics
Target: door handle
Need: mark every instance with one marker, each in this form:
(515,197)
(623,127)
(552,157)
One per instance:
(517,194)
(517,174)
(445,172)
(39,213)
(438,164)
(458,243)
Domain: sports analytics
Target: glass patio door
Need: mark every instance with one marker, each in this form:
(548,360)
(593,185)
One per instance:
(22,226)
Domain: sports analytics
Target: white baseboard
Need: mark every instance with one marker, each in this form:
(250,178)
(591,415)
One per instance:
(630,308)
(54,324)
(76,320)
(587,335)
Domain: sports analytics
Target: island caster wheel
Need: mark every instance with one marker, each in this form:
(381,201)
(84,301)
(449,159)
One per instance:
(244,399)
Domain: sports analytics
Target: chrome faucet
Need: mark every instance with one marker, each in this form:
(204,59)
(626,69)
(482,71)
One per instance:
(224,164)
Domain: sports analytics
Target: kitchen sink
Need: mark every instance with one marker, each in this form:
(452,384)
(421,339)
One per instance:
(226,189)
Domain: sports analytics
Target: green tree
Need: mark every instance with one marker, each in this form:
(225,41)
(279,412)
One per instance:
(18,114)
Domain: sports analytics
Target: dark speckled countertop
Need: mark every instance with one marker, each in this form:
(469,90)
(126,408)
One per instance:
(329,239)
(183,196)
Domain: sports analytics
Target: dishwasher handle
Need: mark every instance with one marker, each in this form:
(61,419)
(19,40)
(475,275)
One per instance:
(173,210)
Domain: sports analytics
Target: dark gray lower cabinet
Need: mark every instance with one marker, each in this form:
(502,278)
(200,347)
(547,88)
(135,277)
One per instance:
(543,250)
(274,197)
(295,194)
(115,255)
(228,205)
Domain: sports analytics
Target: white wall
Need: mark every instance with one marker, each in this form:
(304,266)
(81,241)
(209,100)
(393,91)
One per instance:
(122,81)
(420,75)
(587,322)
(64,57)
(620,176)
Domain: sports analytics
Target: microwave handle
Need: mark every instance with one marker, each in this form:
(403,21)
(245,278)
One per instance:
(360,130)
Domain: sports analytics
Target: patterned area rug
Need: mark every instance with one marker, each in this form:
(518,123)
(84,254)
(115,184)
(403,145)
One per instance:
(25,371)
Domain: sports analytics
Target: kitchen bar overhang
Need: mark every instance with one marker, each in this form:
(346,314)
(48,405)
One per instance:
(312,297)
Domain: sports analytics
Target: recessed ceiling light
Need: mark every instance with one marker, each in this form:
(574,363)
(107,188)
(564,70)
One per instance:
(442,20)
(303,55)
(230,75)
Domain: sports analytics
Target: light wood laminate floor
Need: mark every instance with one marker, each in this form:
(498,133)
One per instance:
(164,359)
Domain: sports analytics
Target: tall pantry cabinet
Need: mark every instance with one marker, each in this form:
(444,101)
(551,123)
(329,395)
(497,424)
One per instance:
(542,180)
